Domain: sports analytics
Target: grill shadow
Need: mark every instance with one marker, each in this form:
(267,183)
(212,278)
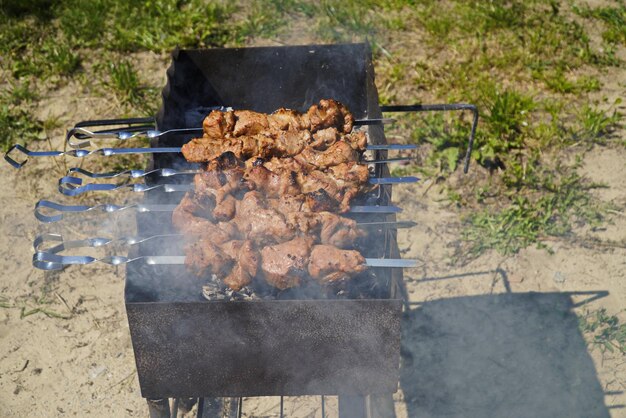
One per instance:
(505,355)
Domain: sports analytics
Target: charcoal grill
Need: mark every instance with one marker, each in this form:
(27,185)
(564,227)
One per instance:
(289,344)
(269,347)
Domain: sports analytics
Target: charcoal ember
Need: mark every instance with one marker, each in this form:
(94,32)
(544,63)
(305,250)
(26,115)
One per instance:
(215,290)
(245,293)
(212,291)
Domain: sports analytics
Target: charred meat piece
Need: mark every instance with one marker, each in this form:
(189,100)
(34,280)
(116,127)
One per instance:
(357,140)
(329,113)
(205,257)
(331,228)
(272,184)
(322,139)
(338,153)
(340,183)
(225,210)
(246,263)
(285,265)
(249,123)
(287,120)
(330,264)
(260,223)
(186,221)
(218,124)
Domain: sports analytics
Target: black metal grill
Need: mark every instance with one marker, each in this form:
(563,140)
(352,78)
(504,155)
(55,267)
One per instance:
(189,347)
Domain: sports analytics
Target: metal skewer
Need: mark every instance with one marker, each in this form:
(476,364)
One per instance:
(123,134)
(107,152)
(73,186)
(42,242)
(60,210)
(168,172)
(49,261)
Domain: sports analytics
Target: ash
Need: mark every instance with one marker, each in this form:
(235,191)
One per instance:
(364,286)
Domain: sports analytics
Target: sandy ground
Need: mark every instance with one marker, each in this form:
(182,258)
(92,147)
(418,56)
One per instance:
(476,342)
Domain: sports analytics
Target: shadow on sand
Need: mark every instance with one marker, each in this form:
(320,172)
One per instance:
(506,355)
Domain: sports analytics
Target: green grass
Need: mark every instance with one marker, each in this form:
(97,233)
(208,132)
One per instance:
(18,124)
(33,305)
(614,19)
(552,211)
(595,125)
(143,24)
(604,331)
(124,80)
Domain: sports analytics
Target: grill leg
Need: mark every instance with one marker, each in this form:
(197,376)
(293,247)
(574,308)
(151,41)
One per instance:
(219,408)
(372,406)
(159,408)
(353,407)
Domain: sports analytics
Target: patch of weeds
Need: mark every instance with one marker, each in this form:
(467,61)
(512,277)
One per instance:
(265,18)
(447,136)
(17,38)
(613,17)
(86,22)
(125,82)
(603,331)
(169,23)
(594,125)
(504,125)
(563,201)
(32,306)
(558,82)
(341,20)
(60,57)
(348,20)
(18,125)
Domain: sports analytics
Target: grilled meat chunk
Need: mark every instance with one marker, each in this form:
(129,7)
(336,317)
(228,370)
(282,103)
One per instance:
(188,220)
(246,263)
(259,223)
(218,124)
(331,228)
(272,184)
(329,264)
(322,139)
(205,257)
(249,123)
(285,265)
(329,113)
(338,153)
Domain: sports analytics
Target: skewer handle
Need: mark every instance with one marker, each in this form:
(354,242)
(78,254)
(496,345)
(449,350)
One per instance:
(60,210)
(107,152)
